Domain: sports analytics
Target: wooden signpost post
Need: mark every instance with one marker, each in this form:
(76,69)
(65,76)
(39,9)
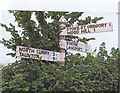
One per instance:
(62,25)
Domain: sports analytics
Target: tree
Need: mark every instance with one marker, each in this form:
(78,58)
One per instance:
(81,73)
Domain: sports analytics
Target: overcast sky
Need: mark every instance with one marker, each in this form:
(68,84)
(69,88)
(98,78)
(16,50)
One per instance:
(94,8)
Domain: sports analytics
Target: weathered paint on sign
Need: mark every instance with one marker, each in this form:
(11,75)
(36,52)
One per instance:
(85,29)
(75,46)
(33,53)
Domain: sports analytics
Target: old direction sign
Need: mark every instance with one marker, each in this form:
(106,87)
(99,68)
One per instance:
(75,46)
(90,28)
(80,47)
(33,53)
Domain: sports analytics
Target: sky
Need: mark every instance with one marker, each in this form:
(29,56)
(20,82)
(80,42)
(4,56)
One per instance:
(94,8)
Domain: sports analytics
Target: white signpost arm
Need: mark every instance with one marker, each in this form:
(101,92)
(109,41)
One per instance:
(87,29)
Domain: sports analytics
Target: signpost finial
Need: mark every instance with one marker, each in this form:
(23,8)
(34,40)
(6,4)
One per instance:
(62,22)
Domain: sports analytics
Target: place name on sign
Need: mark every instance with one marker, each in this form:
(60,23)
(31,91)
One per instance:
(24,52)
(91,28)
(77,46)
(33,53)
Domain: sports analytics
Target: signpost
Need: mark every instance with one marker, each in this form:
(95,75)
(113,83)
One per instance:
(80,47)
(90,28)
(33,53)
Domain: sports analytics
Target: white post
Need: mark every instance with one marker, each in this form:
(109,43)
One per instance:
(62,48)
(62,25)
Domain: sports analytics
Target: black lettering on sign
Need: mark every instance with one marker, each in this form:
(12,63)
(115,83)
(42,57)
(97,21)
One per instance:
(73,30)
(105,24)
(67,43)
(38,51)
(27,50)
(88,29)
(54,56)
(44,52)
(53,53)
(101,25)
(27,55)
(83,30)
(31,50)
(20,49)
(21,54)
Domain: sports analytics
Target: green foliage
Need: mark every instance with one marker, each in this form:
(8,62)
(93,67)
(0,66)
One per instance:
(81,73)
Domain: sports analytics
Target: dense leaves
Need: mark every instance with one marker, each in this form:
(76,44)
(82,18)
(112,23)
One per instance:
(81,73)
